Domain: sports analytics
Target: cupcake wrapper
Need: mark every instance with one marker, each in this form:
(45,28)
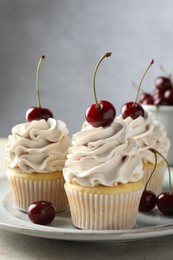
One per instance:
(103,211)
(25,192)
(156,182)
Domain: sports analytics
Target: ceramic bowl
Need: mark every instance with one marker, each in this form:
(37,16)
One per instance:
(165,115)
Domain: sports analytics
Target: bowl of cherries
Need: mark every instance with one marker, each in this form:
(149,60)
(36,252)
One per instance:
(160,104)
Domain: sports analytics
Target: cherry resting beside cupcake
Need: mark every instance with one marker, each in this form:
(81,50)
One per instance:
(150,133)
(35,155)
(103,173)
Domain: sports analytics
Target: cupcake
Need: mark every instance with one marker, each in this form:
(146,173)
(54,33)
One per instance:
(103,174)
(35,155)
(150,133)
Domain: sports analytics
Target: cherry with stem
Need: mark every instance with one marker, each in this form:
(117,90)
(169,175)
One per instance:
(165,199)
(134,109)
(102,113)
(37,113)
(148,198)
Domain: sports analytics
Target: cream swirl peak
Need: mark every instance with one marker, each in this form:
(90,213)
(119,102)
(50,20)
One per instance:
(149,133)
(38,146)
(103,156)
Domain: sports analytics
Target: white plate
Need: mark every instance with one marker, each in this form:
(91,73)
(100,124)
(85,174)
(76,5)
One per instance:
(149,225)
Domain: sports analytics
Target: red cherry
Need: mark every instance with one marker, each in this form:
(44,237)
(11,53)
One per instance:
(163,83)
(148,201)
(165,203)
(148,198)
(168,96)
(165,199)
(102,113)
(102,116)
(159,98)
(41,212)
(146,98)
(37,113)
(159,101)
(133,110)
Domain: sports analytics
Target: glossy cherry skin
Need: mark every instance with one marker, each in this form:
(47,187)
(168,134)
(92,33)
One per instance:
(132,109)
(163,83)
(37,113)
(165,203)
(41,212)
(162,97)
(148,201)
(146,98)
(168,96)
(102,116)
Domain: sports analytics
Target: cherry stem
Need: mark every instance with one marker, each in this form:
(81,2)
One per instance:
(37,79)
(140,83)
(169,171)
(106,55)
(136,86)
(152,171)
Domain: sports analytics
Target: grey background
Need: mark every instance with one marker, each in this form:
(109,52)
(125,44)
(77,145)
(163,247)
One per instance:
(73,35)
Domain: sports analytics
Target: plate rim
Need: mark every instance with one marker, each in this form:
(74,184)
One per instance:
(11,223)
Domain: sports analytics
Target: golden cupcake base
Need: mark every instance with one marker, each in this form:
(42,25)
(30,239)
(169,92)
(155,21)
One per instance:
(27,188)
(104,208)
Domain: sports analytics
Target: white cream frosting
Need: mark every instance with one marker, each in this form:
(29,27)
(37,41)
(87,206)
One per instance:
(103,156)
(149,133)
(38,146)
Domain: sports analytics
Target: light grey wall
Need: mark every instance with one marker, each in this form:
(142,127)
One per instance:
(73,34)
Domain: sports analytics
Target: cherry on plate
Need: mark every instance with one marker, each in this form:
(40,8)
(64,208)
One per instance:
(41,212)
(165,203)
(148,201)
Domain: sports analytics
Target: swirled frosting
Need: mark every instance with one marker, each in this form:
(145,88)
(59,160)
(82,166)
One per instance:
(38,146)
(149,133)
(102,156)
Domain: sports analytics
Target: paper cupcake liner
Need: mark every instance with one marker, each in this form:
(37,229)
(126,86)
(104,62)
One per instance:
(25,192)
(156,182)
(103,211)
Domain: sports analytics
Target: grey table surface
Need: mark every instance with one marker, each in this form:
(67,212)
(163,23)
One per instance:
(15,246)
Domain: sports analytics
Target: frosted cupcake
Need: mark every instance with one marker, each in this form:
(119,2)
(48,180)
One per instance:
(150,133)
(35,155)
(103,173)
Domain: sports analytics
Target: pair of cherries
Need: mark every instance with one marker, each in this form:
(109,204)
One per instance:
(102,113)
(164,200)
